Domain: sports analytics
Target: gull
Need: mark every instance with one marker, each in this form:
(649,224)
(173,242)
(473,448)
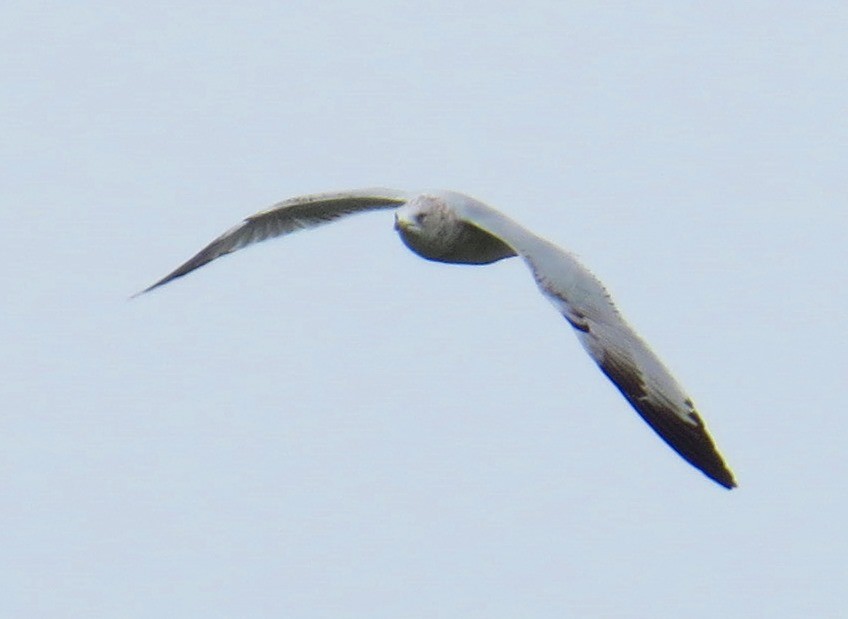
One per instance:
(450,227)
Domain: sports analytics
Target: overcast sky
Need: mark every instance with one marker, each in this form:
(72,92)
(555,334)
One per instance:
(329,426)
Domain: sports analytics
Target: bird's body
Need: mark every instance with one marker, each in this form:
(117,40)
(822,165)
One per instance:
(450,227)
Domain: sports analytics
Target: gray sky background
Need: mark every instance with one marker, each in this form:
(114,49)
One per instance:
(329,426)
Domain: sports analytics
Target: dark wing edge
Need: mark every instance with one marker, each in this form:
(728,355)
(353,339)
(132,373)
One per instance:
(284,218)
(691,440)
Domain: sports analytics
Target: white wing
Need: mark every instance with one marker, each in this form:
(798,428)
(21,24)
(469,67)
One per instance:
(287,217)
(622,355)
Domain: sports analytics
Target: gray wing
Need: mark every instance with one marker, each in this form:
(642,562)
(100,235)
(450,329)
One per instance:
(620,353)
(286,217)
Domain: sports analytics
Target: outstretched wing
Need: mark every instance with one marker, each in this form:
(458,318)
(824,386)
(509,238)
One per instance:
(285,217)
(656,396)
(620,353)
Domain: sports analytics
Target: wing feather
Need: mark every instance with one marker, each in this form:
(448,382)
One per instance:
(652,391)
(284,218)
(619,352)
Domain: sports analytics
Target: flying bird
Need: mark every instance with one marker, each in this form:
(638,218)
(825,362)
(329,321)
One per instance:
(445,226)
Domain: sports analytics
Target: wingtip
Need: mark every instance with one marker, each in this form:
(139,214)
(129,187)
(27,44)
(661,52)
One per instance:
(149,288)
(715,468)
(726,484)
(726,479)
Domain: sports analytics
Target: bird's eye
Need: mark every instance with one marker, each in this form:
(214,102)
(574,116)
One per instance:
(420,217)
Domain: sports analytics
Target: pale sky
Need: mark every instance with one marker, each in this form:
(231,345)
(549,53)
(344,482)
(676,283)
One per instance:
(327,425)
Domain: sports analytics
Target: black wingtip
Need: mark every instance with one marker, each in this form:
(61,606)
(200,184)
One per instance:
(691,440)
(695,445)
(725,479)
(707,457)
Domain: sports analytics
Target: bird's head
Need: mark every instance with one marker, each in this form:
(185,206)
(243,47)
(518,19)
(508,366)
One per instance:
(427,225)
